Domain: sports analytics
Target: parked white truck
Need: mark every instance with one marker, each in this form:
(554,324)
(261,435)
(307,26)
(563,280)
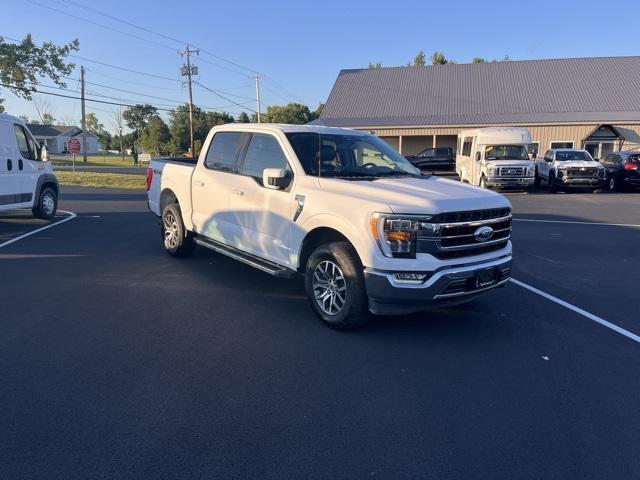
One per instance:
(495,157)
(26,177)
(339,206)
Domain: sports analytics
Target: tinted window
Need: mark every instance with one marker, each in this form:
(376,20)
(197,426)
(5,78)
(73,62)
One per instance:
(223,151)
(26,145)
(573,155)
(466,146)
(263,152)
(442,152)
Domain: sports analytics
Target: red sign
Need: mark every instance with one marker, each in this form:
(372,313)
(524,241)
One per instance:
(73,145)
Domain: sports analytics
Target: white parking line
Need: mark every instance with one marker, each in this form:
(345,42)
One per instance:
(578,223)
(584,313)
(38,230)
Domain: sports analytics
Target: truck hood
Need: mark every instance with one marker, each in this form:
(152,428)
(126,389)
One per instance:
(578,164)
(425,195)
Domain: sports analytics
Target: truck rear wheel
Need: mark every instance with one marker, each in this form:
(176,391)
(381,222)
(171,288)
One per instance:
(46,204)
(177,241)
(335,287)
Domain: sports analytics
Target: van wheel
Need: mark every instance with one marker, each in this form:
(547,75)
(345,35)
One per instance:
(335,286)
(483,182)
(175,238)
(47,204)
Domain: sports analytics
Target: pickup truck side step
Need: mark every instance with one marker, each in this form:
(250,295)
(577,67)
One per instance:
(256,262)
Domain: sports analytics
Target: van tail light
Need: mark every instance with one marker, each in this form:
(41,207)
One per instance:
(630,166)
(149,178)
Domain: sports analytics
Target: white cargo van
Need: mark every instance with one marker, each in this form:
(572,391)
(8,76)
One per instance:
(495,157)
(26,177)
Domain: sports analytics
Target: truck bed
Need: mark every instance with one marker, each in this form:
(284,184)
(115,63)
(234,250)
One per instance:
(172,173)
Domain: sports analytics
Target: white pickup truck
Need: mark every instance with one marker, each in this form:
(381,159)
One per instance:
(26,177)
(341,207)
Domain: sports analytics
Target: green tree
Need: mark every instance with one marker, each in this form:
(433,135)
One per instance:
(24,64)
(24,118)
(48,119)
(438,58)
(243,118)
(1,105)
(295,113)
(478,60)
(420,59)
(94,126)
(202,123)
(317,112)
(375,65)
(137,118)
(155,135)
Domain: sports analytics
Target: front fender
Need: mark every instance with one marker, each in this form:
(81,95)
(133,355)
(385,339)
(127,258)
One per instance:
(42,179)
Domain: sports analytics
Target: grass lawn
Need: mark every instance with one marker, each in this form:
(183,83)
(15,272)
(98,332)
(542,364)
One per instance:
(109,180)
(112,160)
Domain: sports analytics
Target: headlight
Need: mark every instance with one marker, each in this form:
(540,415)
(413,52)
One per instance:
(396,235)
(530,171)
(491,171)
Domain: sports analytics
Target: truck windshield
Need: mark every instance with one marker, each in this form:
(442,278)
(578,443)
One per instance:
(575,155)
(348,156)
(506,152)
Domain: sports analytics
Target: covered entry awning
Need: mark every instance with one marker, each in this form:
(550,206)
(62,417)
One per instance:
(612,133)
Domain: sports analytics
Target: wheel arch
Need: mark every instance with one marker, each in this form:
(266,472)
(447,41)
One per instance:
(320,236)
(46,180)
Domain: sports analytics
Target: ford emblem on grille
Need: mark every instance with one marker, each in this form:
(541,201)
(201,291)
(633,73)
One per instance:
(483,234)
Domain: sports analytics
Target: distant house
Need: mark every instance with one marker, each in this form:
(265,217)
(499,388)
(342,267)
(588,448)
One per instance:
(55,137)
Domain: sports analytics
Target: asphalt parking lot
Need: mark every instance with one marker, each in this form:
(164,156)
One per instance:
(119,361)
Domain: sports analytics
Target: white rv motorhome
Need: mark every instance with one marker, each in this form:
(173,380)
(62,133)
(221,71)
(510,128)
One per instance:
(495,157)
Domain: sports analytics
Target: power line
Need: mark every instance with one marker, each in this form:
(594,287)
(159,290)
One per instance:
(124,69)
(225,98)
(77,17)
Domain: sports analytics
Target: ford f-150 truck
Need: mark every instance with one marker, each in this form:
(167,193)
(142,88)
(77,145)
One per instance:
(342,208)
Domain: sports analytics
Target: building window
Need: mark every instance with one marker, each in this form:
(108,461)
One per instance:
(466,146)
(561,144)
(534,149)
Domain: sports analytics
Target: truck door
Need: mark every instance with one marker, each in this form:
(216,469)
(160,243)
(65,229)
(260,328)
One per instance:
(29,167)
(9,186)
(262,216)
(210,185)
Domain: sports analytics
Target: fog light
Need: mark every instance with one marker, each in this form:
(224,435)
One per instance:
(410,277)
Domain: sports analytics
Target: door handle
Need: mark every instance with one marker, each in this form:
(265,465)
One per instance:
(9,164)
(20,165)
(198,183)
(235,191)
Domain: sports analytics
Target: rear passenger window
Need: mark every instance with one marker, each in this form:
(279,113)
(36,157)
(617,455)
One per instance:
(223,151)
(466,146)
(263,152)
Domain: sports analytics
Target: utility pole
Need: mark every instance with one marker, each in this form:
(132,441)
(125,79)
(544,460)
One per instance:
(257,79)
(84,121)
(188,71)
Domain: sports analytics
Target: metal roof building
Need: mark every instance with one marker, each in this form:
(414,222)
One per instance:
(581,102)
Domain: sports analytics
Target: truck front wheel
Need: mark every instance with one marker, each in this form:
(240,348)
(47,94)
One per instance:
(335,287)
(176,240)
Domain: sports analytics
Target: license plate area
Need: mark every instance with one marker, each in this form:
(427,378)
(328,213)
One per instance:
(486,277)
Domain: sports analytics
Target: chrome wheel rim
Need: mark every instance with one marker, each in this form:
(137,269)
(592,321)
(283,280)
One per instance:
(329,287)
(170,231)
(48,204)
(612,183)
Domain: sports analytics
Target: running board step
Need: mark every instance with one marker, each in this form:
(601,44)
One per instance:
(251,260)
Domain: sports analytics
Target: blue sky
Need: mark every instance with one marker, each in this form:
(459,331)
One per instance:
(302,45)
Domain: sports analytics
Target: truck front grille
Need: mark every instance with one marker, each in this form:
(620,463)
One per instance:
(510,172)
(585,172)
(453,234)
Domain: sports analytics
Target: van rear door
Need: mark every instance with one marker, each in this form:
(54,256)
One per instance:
(9,181)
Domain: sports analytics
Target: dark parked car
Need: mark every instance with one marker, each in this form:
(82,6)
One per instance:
(622,169)
(438,158)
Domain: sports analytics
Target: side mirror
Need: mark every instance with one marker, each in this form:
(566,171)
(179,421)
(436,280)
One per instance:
(478,156)
(534,155)
(548,159)
(44,154)
(275,178)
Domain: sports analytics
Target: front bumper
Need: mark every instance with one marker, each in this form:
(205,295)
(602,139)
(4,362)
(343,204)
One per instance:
(506,182)
(582,181)
(447,286)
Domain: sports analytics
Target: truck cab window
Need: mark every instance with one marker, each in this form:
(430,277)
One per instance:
(223,151)
(264,151)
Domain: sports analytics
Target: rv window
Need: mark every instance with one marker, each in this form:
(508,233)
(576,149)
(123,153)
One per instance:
(466,146)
